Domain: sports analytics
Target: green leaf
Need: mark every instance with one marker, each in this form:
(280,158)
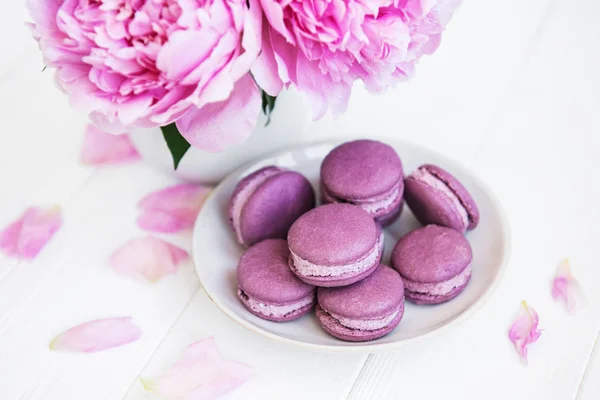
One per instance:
(176,143)
(268,104)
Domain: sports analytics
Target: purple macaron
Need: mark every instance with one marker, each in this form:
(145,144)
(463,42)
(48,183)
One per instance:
(334,245)
(267,287)
(435,263)
(381,239)
(366,173)
(267,202)
(436,197)
(364,311)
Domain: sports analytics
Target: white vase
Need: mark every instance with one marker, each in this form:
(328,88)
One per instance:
(290,124)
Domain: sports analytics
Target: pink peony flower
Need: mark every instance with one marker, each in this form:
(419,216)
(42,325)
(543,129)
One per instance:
(146,63)
(323,46)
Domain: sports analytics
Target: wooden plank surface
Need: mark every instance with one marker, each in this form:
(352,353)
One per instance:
(512,92)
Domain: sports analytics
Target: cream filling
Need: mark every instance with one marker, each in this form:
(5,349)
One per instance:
(373,206)
(429,179)
(440,288)
(242,197)
(274,310)
(366,324)
(370,206)
(306,268)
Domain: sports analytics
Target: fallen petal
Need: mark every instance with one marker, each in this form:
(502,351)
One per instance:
(200,373)
(172,209)
(148,258)
(524,331)
(180,196)
(235,375)
(104,148)
(97,335)
(27,236)
(566,289)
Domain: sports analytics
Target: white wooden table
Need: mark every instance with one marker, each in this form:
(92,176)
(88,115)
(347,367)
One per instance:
(514,93)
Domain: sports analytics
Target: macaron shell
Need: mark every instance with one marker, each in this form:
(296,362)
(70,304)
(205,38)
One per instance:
(459,190)
(373,297)
(380,240)
(275,205)
(333,234)
(263,274)
(430,206)
(361,169)
(245,182)
(431,254)
(335,329)
(423,298)
(335,281)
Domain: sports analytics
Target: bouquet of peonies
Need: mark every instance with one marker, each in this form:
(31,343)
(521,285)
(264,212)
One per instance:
(203,69)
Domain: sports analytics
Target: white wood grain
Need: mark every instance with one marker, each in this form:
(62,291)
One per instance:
(70,283)
(525,120)
(282,371)
(456,94)
(41,138)
(537,160)
(590,385)
(16,40)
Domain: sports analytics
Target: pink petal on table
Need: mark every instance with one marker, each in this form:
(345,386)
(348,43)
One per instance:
(104,148)
(172,209)
(524,331)
(566,289)
(148,258)
(200,373)
(235,375)
(27,236)
(97,335)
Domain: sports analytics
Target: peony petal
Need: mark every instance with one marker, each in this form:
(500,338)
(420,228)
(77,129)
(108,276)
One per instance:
(104,148)
(132,109)
(236,375)
(184,51)
(566,289)
(251,41)
(172,209)
(524,330)
(217,126)
(163,222)
(200,373)
(27,236)
(314,86)
(265,69)
(97,335)
(274,14)
(178,196)
(285,56)
(420,8)
(148,258)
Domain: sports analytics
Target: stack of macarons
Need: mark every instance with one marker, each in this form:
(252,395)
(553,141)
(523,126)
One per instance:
(366,173)
(329,258)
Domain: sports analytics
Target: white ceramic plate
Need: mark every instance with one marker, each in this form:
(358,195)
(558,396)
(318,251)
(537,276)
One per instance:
(216,253)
